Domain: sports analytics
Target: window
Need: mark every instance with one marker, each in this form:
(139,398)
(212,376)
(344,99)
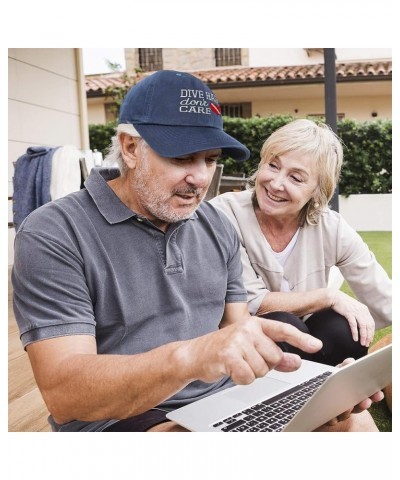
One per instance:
(150,59)
(242,110)
(227,56)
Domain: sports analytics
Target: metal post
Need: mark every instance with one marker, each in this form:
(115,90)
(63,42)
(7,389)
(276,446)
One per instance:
(330,105)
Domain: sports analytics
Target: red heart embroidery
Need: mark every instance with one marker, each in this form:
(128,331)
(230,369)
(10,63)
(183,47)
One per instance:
(215,108)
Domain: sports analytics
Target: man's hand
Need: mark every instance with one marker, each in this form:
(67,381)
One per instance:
(244,351)
(360,407)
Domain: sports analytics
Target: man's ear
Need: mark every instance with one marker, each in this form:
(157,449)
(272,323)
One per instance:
(129,149)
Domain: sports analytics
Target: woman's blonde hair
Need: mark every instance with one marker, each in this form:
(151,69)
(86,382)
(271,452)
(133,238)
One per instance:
(319,142)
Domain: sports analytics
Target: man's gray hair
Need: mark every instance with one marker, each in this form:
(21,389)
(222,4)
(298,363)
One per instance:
(114,156)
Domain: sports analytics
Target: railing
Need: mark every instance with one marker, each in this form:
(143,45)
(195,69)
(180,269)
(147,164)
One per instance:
(232,184)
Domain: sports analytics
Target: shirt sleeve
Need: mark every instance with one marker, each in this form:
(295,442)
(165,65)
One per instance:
(51,297)
(235,290)
(254,284)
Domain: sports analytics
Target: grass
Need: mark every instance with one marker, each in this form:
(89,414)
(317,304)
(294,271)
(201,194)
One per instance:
(380,243)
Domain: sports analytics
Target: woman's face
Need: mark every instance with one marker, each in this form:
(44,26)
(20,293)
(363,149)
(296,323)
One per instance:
(285,184)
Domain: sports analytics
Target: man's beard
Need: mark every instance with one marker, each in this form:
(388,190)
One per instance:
(156,201)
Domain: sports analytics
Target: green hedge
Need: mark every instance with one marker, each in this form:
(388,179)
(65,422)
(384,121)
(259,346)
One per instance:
(367,166)
(100,136)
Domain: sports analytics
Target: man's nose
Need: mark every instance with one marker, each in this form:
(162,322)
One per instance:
(198,173)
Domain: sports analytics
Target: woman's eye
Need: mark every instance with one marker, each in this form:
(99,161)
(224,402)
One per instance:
(273,165)
(296,179)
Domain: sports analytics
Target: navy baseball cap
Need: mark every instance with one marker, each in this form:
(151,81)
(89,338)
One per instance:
(177,114)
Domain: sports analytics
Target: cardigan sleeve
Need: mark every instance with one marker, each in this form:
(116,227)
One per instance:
(366,277)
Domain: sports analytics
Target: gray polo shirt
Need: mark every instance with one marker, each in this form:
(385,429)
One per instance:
(87,264)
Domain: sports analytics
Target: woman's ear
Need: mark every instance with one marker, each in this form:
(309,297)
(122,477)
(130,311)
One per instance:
(129,149)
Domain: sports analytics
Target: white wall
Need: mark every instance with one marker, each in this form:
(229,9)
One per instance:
(46,105)
(367,212)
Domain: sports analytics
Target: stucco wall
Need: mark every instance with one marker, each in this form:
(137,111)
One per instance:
(96,110)
(182,58)
(356,100)
(369,212)
(188,58)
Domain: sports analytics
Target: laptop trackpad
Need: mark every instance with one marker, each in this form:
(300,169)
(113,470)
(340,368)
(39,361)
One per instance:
(257,391)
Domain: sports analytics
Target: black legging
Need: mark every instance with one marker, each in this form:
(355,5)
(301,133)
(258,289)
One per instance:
(331,328)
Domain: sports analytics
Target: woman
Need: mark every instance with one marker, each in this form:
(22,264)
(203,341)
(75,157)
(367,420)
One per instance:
(291,239)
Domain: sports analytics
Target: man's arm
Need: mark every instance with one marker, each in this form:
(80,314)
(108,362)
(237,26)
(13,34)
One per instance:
(77,383)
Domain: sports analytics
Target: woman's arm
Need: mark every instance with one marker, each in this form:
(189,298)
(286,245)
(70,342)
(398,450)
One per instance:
(303,303)
(298,303)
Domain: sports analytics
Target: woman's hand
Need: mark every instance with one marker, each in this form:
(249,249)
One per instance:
(356,313)
(360,407)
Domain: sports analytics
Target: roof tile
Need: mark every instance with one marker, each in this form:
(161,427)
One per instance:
(97,84)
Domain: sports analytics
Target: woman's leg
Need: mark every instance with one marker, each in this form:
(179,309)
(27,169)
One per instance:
(286,317)
(334,331)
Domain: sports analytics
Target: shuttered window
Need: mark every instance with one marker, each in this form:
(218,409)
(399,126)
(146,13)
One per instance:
(227,56)
(150,59)
(241,110)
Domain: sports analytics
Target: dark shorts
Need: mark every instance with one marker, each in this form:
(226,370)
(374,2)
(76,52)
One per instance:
(139,423)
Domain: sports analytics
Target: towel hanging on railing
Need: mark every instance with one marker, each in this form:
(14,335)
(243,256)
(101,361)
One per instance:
(43,174)
(32,176)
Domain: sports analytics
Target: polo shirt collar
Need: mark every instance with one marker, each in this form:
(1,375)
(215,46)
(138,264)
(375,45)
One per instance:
(108,203)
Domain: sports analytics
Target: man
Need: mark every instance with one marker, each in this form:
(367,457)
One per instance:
(128,294)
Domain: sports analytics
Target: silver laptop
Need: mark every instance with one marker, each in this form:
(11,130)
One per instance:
(299,401)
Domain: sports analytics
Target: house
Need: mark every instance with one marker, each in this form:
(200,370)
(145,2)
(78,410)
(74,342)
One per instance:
(262,82)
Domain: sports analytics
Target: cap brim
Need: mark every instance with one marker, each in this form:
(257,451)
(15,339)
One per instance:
(175,141)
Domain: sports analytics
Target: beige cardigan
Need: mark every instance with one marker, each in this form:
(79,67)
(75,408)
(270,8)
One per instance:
(318,248)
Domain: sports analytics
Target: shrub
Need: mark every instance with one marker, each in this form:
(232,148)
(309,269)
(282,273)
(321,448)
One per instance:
(100,136)
(367,166)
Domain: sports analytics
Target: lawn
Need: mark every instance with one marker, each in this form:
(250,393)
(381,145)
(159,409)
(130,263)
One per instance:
(380,243)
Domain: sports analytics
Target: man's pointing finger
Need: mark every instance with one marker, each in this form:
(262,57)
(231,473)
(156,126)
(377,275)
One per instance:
(283,332)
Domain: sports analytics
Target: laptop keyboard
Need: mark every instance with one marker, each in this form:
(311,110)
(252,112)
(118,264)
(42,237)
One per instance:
(273,414)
